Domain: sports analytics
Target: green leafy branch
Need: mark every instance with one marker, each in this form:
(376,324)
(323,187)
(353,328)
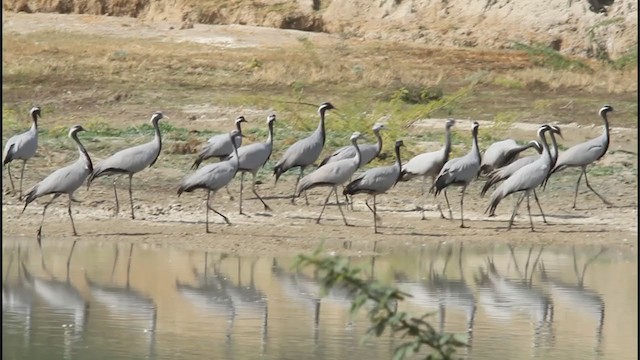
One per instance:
(382,300)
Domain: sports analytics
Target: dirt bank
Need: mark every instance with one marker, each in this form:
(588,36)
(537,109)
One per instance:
(593,28)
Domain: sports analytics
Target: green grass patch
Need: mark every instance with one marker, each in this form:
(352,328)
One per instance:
(547,57)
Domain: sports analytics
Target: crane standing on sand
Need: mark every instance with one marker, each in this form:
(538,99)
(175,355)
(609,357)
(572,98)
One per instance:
(429,164)
(377,181)
(332,174)
(252,158)
(130,161)
(22,146)
(212,178)
(460,171)
(304,152)
(65,180)
(584,154)
(525,179)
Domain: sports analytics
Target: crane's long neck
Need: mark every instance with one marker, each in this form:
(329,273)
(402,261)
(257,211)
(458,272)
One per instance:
(158,137)
(320,128)
(270,139)
(554,155)
(474,148)
(606,131)
(34,123)
(545,146)
(83,152)
(447,143)
(379,143)
(398,163)
(235,151)
(358,157)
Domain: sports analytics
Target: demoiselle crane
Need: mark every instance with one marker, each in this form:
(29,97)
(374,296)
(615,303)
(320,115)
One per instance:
(376,181)
(505,172)
(525,179)
(252,158)
(130,161)
(212,178)
(22,146)
(65,180)
(429,164)
(584,154)
(460,172)
(502,153)
(304,152)
(332,174)
(368,152)
(219,145)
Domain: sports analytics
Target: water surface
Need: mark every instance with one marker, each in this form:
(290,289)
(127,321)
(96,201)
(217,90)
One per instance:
(105,301)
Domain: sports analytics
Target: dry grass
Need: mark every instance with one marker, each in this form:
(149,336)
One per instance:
(83,77)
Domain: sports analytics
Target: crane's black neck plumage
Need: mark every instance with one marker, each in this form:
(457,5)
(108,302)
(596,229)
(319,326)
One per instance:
(379,143)
(270,139)
(398,162)
(447,143)
(34,118)
(603,114)
(475,148)
(83,151)
(354,142)
(321,125)
(158,138)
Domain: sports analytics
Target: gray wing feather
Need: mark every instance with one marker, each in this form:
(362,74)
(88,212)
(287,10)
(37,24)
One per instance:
(582,154)
(302,153)
(21,146)
(425,164)
(252,156)
(378,180)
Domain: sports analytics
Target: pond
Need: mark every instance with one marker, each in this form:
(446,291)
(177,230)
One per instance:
(93,300)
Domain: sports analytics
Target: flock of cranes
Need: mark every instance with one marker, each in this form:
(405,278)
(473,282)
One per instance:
(500,164)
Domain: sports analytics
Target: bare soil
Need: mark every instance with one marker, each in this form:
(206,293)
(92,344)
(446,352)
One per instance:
(164,219)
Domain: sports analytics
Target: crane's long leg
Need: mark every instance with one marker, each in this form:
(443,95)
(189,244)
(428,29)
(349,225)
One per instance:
(462,207)
(228,192)
(535,196)
(131,195)
(71,217)
(217,212)
(375,216)
(253,189)
(515,210)
(13,188)
(115,193)
(24,163)
(373,209)
(586,180)
(575,196)
(424,180)
(241,188)
(529,211)
(39,233)
(206,210)
(324,206)
(448,205)
(335,191)
(293,197)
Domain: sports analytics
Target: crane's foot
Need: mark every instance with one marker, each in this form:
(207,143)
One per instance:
(267,208)
(464,226)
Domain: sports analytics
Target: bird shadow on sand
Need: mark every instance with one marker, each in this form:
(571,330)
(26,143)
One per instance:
(127,234)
